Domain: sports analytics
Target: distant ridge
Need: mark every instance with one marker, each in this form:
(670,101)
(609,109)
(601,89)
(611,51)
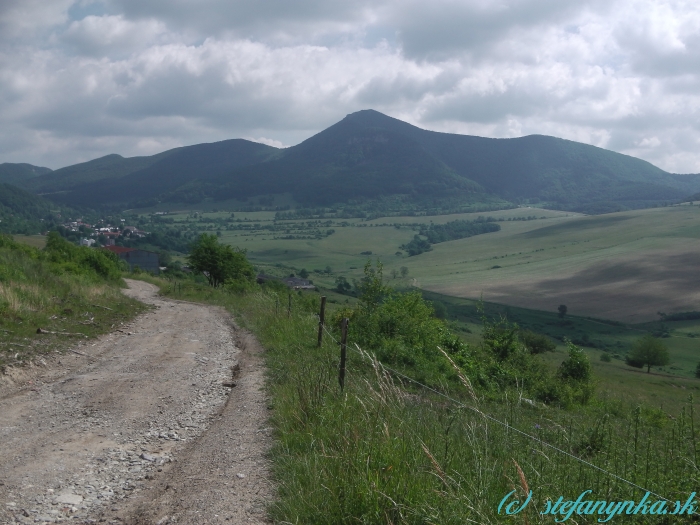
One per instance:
(19,174)
(368,155)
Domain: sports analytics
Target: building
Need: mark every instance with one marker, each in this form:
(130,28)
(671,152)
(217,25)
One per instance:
(87,242)
(145,260)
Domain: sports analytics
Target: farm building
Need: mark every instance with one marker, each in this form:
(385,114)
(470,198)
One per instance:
(145,260)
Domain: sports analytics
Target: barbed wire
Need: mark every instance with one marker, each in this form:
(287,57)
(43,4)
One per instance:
(505,424)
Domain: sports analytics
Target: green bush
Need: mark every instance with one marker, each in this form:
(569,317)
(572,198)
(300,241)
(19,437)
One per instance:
(536,343)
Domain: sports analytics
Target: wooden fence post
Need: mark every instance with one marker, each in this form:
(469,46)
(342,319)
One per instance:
(321,319)
(343,347)
(289,306)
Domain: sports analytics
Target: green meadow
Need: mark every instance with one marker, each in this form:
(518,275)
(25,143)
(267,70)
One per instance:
(624,266)
(614,272)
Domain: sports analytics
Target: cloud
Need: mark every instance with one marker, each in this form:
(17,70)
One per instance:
(269,142)
(21,20)
(80,79)
(111,35)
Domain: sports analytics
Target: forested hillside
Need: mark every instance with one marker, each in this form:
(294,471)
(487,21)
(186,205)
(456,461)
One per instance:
(369,156)
(24,212)
(20,174)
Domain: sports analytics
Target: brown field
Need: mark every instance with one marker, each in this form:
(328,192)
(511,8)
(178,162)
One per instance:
(624,266)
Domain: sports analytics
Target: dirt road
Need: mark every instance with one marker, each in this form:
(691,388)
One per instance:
(137,427)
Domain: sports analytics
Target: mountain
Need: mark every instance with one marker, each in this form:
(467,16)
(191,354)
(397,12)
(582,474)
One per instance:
(24,212)
(368,155)
(19,174)
(117,180)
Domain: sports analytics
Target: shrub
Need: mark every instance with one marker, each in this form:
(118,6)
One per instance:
(536,343)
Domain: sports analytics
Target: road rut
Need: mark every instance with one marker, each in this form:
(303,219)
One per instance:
(137,426)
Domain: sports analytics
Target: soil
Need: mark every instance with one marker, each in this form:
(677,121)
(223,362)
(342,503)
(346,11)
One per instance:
(138,427)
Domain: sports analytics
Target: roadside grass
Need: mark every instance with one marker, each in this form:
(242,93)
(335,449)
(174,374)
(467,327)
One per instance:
(35,293)
(384,450)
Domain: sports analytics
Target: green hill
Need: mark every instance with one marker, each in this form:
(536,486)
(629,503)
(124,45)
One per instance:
(117,180)
(19,174)
(24,212)
(108,167)
(368,155)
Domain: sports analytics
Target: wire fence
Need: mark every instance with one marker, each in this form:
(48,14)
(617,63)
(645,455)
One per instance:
(365,356)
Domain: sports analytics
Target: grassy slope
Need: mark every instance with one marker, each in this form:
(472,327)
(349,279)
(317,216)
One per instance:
(382,452)
(624,266)
(36,294)
(666,387)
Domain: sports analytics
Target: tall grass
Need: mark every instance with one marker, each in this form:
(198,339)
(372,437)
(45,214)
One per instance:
(387,451)
(36,292)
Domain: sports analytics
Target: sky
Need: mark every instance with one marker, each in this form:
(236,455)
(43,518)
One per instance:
(80,79)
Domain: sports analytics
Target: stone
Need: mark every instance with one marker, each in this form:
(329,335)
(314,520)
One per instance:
(69,498)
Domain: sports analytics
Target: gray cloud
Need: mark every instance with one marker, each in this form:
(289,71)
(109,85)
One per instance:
(83,78)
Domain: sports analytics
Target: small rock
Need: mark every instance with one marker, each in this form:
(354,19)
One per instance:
(239,475)
(147,457)
(68,498)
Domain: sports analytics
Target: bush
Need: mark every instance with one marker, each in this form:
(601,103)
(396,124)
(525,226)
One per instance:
(81,260)
(536,343)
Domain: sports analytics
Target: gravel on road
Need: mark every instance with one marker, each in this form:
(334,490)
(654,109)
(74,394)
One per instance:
(137,427)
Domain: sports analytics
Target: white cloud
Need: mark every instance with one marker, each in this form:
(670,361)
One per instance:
(134,77)
(269,142)
(111,35)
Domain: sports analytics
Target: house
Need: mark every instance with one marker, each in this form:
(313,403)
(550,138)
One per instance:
(298,284)
(145,260)
(87,242)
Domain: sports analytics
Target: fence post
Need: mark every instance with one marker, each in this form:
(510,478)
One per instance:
(321,319)
(289,306)
(343,347)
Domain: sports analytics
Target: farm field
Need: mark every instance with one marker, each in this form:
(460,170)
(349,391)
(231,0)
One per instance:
(624,266)
(306,243)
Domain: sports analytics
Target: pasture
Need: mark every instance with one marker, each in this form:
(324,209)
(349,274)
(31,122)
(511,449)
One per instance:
(624,266)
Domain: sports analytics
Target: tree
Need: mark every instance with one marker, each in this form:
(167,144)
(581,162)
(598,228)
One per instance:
(562,310)
(648,351)
(394,273)
(536,343)
(404,271)
(219,262)
(576,367)
(303,273)
(697,371)
(342,285)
